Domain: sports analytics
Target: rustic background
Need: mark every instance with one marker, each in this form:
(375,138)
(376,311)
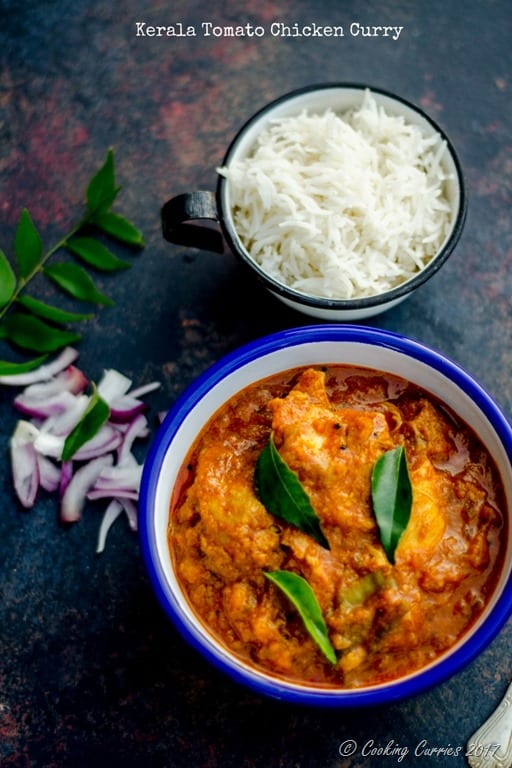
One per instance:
(91,672)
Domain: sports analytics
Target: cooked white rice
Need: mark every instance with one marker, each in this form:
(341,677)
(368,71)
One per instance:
(341,206)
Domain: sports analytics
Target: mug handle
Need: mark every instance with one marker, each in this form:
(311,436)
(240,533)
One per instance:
(179,215)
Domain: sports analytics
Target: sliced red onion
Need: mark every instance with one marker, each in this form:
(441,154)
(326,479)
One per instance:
(49,445)
(113,385)
(62,423)
(75,494)
(111,514)
(71,379)
(49,473)
(40,408)
(130,507)
(119,478)
(161,416)
(43,372)
(145,389)
(25,470)
(137,428)
(66,473)
(54,397)
(107,439)
(125,408)
(107,493)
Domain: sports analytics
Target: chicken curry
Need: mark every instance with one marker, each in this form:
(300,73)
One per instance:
(383,618)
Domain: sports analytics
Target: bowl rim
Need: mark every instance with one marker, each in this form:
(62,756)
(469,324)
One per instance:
(365,302)
(275,687)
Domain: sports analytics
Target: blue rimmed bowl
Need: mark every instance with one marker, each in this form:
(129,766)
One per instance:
(316,345)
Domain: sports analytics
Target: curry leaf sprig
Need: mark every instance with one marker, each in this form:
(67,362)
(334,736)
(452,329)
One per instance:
(31,325)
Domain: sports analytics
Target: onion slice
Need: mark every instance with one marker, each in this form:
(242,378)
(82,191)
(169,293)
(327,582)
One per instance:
(113,385)
(41,408)
(43,372)
(75,494)
(111,514)
(130,508)
(25,469)
(49,473)
(71,379)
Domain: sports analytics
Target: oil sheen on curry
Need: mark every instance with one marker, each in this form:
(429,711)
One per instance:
(383,619)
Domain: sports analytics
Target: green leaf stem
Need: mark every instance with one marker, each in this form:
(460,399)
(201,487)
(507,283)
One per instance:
(299,592)
(95,415)
(391,498)
(283,495)
(41,326)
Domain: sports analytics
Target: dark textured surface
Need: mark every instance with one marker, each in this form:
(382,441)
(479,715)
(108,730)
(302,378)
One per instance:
(91,673)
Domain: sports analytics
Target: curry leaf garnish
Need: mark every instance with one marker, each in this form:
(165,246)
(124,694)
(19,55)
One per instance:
(8,368)
(299,592)
(95,254)
(119,228)
(101,190)
(28,246)
(283,495)
(42,327)
(49,312)
(75,281)
(33,334)
(7,280)
(95,415)
(391,498)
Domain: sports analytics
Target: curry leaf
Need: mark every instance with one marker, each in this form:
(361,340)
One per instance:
(391,498)
(95,415)
(8,368)
(7,280)
(33,334)
(77,282)
(47,312)
(299,592)
(28,246)
(282,493)
(101,190)
(95,254)
(120,228)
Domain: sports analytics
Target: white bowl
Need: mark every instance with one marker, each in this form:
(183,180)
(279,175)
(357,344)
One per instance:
(340,98)
(282,351)
(185,217)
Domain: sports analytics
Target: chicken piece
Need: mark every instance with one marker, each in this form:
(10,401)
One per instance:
(332,450)
(427,523)
(238,536)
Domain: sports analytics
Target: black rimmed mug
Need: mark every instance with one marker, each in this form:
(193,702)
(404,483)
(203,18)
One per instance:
(204,219)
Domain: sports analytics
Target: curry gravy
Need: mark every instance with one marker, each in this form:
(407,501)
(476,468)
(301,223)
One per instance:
(330,425)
